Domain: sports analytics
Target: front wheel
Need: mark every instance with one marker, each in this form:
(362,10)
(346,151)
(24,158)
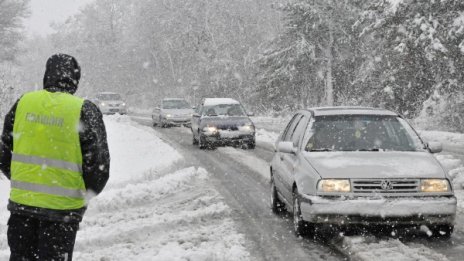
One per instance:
(300,226)
(442,231)
(252,145)
(202,142)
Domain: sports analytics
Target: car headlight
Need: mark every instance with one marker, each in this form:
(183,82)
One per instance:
(168,115)
(103,104)
(123,104)
(248,128)
(435,185)
(334,185)
(210,129)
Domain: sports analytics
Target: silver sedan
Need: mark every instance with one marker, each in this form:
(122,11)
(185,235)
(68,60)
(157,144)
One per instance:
(350,165)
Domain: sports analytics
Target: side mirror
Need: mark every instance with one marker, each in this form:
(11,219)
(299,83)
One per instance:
(286,147)
(435,147)
(194,107)
(250,114)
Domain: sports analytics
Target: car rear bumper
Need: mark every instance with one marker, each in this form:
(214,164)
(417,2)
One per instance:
(410,210)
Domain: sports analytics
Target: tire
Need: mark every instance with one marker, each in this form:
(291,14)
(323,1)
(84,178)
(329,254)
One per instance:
(252,145)
(202,142)
(161,123)
(301,227)
(194,141)
(442,231)
(276,205)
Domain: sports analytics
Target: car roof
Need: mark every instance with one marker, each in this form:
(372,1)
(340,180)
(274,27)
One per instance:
(350,110)
(217,101)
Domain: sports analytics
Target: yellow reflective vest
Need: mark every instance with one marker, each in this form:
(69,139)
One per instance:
(46,167)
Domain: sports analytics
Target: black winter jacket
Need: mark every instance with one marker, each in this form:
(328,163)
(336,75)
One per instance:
(95,155)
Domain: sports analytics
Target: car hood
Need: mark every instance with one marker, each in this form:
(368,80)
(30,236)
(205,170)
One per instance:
(375,164)
(188,112)
(225,121)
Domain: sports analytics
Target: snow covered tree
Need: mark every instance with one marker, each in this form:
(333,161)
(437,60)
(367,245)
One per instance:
(312,62)
(415,50)
(11,14)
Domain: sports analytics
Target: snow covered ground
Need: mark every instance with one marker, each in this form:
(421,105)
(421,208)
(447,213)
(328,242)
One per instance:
(153,208)
(157,207)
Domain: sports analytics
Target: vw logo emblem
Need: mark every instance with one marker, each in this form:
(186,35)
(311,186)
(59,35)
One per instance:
(386,185)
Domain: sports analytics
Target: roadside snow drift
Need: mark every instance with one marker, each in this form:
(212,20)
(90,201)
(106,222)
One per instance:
(150,209)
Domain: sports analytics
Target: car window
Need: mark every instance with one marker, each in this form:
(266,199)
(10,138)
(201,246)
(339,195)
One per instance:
(362,133)
(175,104)
(299,131)
(291,129)
(224,110)
(284,133)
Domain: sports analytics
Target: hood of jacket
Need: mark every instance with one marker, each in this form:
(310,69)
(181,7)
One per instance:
(62,73)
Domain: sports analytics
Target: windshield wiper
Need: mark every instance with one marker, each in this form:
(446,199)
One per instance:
(373,149)
(322,149)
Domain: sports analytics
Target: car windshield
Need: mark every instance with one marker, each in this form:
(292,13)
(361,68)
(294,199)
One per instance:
(362,133)
(224,110)
(175,104)
(109,97)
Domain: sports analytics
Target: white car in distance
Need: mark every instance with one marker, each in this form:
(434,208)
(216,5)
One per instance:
(110,103)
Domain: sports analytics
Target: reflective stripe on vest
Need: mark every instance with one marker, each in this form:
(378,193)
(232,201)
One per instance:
(47,189)
(47,162)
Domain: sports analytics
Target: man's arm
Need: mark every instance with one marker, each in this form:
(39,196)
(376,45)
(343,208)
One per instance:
(6,142)
(94,146)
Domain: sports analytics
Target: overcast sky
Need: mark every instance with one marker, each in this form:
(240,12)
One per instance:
(44,12)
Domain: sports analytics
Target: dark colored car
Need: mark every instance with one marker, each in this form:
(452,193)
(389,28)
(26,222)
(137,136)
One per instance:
(222,121)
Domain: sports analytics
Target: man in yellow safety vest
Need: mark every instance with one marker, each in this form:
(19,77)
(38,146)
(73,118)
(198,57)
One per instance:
(54,151)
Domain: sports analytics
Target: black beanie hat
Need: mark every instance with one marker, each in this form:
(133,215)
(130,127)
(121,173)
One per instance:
(63,73)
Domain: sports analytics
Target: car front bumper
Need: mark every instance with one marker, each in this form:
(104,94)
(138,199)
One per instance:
(177,120)
(112,110)
(229,137)
(398,210)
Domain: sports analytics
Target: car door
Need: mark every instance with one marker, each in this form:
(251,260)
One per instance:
(291,160)
(285,160)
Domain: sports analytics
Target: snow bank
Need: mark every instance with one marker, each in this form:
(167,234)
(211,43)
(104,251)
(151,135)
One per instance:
(442,136)
(177,216)
(135,150)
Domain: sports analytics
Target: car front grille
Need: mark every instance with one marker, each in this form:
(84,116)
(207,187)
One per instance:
(228,127)
(386,186)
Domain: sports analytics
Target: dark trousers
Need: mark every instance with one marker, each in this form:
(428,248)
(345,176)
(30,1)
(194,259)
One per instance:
(34,239)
